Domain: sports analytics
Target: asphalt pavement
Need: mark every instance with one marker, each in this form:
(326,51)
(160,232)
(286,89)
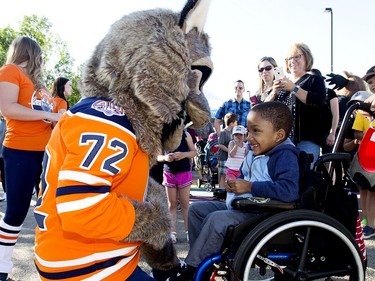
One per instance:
(24,269)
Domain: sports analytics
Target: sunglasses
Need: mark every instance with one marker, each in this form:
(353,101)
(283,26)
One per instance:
(267,68)
(296,58)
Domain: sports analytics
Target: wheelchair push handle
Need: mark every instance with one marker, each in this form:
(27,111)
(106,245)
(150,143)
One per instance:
(365,106)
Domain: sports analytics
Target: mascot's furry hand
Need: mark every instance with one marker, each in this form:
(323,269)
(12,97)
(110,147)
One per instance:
(152,226)
(338,80)
(152,219)
(162,259)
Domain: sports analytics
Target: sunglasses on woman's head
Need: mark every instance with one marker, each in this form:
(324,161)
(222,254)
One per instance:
(267,68)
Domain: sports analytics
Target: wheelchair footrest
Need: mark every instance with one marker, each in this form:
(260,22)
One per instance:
(261,204)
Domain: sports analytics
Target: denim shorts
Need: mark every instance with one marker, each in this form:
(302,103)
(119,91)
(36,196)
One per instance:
(179,180)
(222,170)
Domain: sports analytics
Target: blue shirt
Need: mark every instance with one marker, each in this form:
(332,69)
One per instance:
(275,174)
(232,106)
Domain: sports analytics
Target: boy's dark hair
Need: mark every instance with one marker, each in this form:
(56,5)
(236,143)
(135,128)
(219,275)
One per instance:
(230,118)
(277,113)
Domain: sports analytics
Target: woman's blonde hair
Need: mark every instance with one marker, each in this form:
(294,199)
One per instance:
(26,49)
(306,53)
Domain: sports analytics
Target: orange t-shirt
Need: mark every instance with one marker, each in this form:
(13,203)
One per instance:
(26,135)
(93,167)
(59,104)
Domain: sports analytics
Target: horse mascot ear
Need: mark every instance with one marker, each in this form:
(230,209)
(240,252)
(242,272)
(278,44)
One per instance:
(153,64)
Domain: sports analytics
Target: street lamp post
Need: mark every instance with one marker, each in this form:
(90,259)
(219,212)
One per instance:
(329,10)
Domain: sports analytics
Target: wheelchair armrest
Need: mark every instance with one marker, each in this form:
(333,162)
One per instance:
(266,205)
(337,156)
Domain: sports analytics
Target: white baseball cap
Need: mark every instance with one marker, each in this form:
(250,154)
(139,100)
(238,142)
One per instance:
(239,130)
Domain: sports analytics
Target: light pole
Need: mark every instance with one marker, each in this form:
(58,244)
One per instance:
(329,10)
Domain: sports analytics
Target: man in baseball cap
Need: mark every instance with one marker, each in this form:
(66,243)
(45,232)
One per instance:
(370,73)
(369,78)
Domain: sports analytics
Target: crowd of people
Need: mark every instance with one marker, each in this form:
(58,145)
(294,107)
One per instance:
(285,117)
(317,111)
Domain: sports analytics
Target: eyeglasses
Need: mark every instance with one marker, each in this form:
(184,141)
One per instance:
(267,68)
(296,58)
(239,88)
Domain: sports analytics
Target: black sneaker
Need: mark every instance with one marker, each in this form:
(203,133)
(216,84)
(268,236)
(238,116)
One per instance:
(3,276)
(186,274)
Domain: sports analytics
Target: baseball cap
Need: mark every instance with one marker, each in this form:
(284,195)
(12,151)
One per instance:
(239,130)
(369,73)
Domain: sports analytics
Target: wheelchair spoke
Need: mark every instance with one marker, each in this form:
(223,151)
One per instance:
(305,249)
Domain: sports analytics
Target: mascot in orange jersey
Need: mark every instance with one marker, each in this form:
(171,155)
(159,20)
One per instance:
(98,211)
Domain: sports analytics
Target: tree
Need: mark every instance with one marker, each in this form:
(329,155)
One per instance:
(7,35)
(57,59)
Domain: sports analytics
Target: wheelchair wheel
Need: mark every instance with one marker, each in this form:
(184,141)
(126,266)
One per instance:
(299,245)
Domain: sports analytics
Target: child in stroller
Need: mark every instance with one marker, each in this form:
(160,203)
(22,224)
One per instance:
(206,162)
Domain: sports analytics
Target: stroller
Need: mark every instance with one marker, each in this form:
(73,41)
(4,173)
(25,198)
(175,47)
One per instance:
(317,238)
(206,162)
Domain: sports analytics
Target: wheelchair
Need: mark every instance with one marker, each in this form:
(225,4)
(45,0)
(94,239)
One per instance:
(317,238)
(312,239)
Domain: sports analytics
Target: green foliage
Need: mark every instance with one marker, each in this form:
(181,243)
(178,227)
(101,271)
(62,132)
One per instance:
(57,59)
(76,96)
(7,35)
(38,29)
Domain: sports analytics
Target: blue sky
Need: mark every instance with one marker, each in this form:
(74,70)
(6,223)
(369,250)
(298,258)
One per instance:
(241,32)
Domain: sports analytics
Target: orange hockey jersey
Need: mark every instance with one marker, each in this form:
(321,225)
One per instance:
(92,167)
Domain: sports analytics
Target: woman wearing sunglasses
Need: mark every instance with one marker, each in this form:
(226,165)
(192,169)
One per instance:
(266,77)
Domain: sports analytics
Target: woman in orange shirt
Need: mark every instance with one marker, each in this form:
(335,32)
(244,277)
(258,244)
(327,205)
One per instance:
(61,88)
(27,108)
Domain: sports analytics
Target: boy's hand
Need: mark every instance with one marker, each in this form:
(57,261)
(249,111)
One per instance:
(237,186)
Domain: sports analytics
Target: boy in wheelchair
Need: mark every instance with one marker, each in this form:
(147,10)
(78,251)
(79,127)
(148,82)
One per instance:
(270,170)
